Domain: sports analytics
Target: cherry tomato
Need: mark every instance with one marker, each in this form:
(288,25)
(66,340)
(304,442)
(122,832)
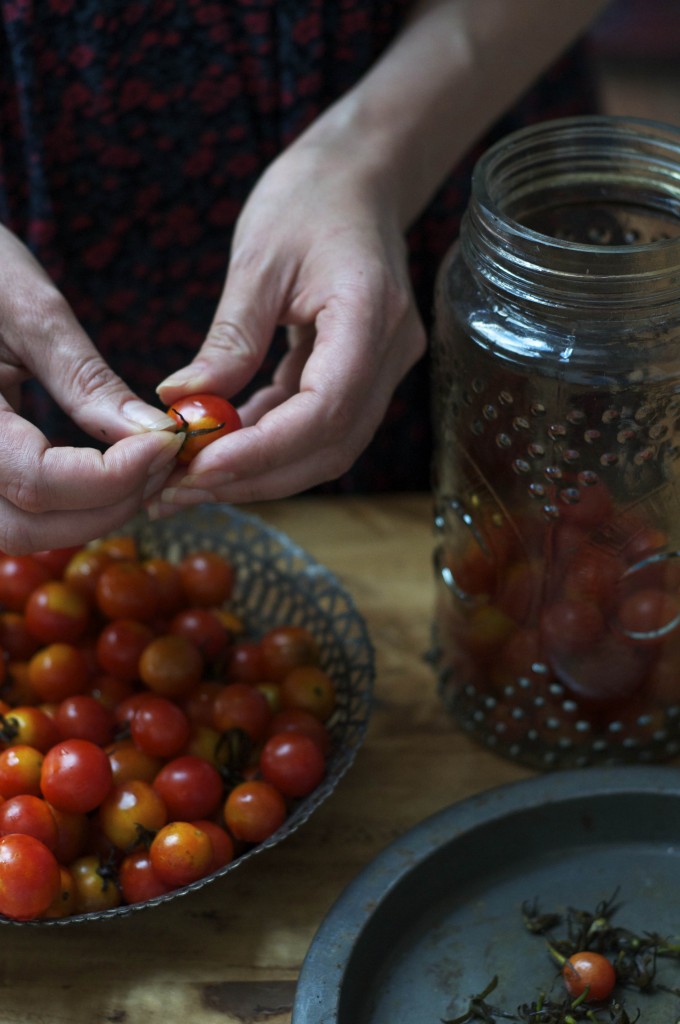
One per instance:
(20,770)
(56,559)
(302,721)
(181,853)
(29,877)
(205,630)
(72,834)
(254,810)
(137,879)
(649,615)
(202,418)
(64,902)
(130,813)
(76,775)
(159,726)
(29,725)
(189,787)
(31,816)
(241,706)
(19,576)
(84,570)
(310,688)
(166,576)
(83,716)
(171,665)
(222,844)
(591,971)
(293,763)
(110,691)
(129,762)
(286,647)
(119,647)
(16,640)
(95,888)
(57,671)
(245,663)
(198,704)
(207,578)
(57,612)
(126,591)
(570,627)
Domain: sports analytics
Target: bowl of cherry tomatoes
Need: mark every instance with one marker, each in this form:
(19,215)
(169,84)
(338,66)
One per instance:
(174,699)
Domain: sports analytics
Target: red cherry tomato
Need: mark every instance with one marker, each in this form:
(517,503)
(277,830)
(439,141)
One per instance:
(56,612)
(181,853)
(293,763)
(29,877)
(137,879)
(202,418)
(254,810)
(190,788)
(591,971)
(31,816)
(76,775)
(287,647)
(242,706)
(207,578)
(159,726)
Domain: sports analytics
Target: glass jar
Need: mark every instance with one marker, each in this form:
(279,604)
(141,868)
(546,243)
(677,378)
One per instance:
(556,390)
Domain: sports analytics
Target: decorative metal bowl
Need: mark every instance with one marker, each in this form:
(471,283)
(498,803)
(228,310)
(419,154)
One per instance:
(277,583)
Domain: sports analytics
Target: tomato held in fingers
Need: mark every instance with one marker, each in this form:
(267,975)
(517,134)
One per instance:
(202,419)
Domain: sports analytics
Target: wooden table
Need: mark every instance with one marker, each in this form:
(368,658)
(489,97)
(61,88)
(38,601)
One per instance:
(231,953)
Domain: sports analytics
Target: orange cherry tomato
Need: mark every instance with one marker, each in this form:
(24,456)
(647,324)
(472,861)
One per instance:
(202,419)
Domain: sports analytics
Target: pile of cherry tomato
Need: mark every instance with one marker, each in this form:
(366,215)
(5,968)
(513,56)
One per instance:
(146,740)
(572,634)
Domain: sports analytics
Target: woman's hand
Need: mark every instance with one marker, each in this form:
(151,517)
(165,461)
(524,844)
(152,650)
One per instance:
(57,497)
(320,247)
(317,248)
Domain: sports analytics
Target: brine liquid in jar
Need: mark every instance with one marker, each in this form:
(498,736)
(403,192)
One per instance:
(556,389)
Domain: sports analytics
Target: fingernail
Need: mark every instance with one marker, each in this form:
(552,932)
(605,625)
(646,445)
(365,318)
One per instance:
(165,457)
(156,481)
(156,510)
(186,378)
(186,496)
(145,417)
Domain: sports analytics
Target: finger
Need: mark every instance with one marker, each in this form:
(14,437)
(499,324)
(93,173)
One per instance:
(286,379)
(238,339)
(36,478)
(41,333)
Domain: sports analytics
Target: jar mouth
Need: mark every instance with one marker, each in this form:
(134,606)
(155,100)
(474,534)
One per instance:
(595,196)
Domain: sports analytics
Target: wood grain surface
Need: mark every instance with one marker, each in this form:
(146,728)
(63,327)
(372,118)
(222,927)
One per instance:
(231,953)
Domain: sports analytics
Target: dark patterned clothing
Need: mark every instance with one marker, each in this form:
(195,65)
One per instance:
(131,135)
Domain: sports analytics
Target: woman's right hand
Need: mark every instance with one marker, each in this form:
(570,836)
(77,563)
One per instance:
(57,497)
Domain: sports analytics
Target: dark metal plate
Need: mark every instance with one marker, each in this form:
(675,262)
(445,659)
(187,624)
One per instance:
(429,922)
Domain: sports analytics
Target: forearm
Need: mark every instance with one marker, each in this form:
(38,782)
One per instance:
(456,66)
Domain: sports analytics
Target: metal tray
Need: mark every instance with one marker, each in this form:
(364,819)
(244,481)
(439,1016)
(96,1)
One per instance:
(437,914)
